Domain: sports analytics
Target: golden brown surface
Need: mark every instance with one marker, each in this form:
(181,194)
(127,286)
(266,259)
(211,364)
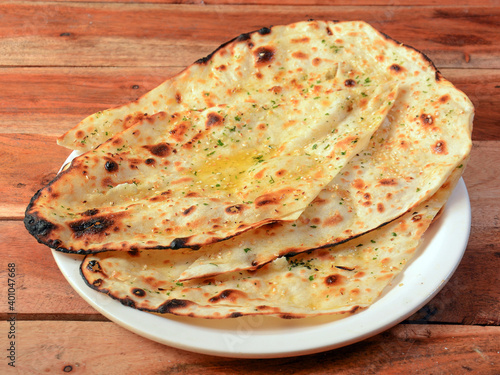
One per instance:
(62,61)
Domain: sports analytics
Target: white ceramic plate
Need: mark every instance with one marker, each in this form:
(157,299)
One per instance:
(269,337)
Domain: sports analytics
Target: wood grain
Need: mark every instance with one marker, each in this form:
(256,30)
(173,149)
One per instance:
(42,292)
(301,2)
(472,295)
(63,60)
(33,162)
(483,182)
(102,34)
(105,348)
(52,100)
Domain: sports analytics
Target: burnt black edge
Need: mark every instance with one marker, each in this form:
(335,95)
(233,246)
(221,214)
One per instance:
(439,76)
(170,306)
(31,221)
(239,38)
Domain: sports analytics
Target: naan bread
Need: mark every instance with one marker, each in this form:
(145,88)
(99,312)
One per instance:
(267,67)
(427,136)
(193,178)
(283,140)
(403,165)
(341,279)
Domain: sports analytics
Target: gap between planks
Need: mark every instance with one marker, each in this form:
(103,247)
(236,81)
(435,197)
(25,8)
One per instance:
(101,347)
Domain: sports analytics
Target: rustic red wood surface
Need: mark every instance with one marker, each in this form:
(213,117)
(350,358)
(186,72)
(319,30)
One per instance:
(61,61)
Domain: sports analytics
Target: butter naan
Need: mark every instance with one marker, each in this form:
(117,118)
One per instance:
(339,280)
(426,136)
(280,144)
(267,67)
(408,158)
(186,179)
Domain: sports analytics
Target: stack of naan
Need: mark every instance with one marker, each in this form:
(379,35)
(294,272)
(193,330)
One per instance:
(292,172)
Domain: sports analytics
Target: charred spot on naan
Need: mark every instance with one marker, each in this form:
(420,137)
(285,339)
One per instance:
(439,148)
(396,69)
(334,280)
(161,150)
(214,119)
(96,227)
(349,83)
(235,209)
(241,38)
(387,182)
(174,306)
(189,210)
(179,131)
(333,220)
(95,267)
(264,55)
(274,198)
(229,296)
(138,292)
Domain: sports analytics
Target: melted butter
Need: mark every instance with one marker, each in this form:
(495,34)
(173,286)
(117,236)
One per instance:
(235,174)
(229,172)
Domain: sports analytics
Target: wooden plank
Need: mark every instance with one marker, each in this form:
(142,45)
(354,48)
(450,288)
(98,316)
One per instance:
(472,295)
(54,99)
(34,162)
(82,34)
(42,292)
(483,183)
(105,348)
(302,2)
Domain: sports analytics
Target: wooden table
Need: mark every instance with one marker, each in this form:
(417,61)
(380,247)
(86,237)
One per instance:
(61,61)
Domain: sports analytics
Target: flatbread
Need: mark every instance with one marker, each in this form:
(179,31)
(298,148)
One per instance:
(350,138)
(339,280)
(427,136)
(260,68)
(192,178)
